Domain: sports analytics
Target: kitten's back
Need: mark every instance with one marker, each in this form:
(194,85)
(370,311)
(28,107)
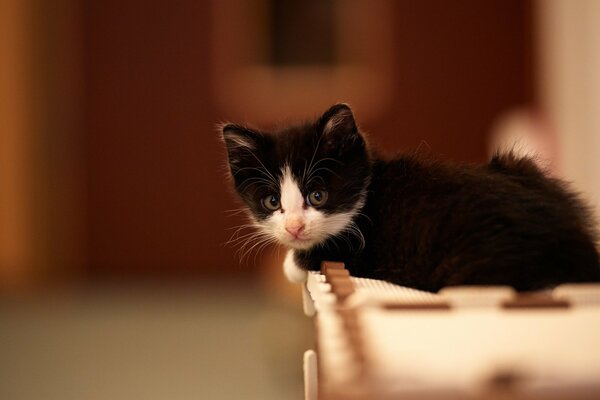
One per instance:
(502,223)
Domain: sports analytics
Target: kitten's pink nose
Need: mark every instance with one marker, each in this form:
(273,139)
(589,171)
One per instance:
(294,230)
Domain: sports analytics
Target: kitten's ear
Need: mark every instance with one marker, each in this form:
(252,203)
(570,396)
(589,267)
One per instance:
(338,127)
(241,142)
(237,136)
(338,120)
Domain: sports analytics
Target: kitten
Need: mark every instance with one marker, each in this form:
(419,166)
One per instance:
(319,189)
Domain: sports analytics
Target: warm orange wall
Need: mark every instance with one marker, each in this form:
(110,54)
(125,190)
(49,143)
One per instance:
(460,64)
(155,189)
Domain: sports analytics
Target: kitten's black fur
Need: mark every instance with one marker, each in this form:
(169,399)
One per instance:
(427,224)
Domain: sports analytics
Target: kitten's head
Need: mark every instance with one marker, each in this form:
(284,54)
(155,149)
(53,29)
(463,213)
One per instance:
(305,183)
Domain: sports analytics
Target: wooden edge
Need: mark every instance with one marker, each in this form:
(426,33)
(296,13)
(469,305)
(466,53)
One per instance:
(326,265)
(527,301)
(424,306)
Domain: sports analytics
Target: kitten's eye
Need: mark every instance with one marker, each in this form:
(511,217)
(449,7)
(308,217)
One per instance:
(317,198)
(271,202)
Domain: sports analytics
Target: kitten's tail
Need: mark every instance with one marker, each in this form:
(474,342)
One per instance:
(514,164)
(520,135)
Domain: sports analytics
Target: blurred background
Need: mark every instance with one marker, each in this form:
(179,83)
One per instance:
(115,277)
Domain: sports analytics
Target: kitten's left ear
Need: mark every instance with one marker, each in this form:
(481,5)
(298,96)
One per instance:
(338,120)
(339,130)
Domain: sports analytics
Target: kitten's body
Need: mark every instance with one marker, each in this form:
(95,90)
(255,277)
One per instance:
(409,220)
(428,225)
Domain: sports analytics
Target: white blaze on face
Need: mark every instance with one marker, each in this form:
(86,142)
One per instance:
(292,202)
(292,223)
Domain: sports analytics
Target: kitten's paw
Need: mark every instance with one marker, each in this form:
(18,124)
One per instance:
(292,271)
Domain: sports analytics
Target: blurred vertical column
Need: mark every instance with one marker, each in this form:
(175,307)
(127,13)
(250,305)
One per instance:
(569,86)
(16,144)
(40,177)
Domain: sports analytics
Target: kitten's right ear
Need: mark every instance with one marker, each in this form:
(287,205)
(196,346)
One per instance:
(236,136)
(241,142)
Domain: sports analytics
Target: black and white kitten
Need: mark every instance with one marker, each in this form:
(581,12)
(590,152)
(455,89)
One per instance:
(318,189)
